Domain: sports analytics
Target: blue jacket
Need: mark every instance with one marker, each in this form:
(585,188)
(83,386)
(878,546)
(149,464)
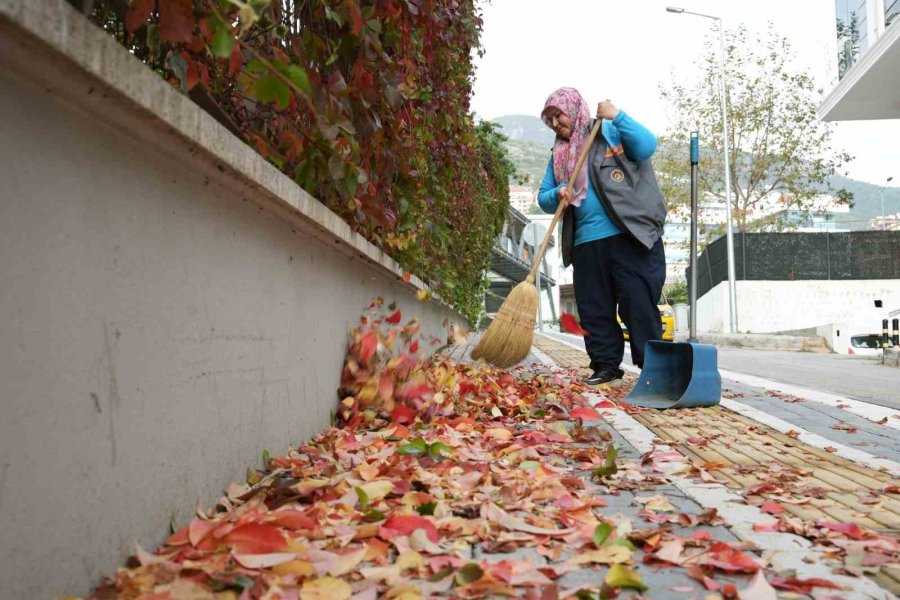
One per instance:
(591,220)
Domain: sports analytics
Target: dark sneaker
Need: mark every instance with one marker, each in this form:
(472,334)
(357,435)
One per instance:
(604,375)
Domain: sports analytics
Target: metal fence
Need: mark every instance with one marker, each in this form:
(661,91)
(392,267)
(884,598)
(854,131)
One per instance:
(793,256)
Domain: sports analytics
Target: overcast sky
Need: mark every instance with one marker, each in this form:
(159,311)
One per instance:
(624,50)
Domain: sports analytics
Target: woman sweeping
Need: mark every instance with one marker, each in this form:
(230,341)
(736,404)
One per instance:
(612,227)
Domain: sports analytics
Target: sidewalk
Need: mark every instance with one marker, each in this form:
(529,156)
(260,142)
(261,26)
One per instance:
(525,484)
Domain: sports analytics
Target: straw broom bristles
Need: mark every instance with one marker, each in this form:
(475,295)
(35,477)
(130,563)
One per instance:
(508,338)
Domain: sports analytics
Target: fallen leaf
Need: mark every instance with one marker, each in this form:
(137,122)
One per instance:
(326,588)
(658,503)
(602,533)
(772,508)
(622,577)
(606,555)
(583,412)
(255,538)
(405,524)
(494,513)
(569,324)
(803,586)
(263,561)
(758,589)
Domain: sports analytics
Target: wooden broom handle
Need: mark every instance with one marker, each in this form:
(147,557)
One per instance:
(584,152)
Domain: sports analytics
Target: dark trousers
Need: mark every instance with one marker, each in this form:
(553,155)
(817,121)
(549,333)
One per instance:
(618,272)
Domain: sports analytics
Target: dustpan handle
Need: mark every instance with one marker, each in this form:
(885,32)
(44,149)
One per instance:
(559,210)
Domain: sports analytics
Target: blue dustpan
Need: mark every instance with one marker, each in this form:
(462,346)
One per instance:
(682,374)
(677,375)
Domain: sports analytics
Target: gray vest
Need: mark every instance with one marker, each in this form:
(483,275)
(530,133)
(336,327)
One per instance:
(628,191)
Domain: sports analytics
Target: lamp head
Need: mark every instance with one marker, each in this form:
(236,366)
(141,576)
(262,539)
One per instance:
(674,9)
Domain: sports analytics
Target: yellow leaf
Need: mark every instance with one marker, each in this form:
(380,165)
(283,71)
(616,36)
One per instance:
(498,433)
(410,560)
(326,588)
(376,490)
(658,503)
(404,591)
(423,295)
(623,577)
(294,567)
(606,555)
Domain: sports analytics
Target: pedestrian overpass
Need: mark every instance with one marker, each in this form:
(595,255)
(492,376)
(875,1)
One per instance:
(512,258)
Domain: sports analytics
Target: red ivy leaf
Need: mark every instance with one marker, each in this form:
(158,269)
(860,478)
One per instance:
(368,345)
(394,318)
(584,412)
(403,414)
(176,20)
(405,525)
(803,586)
(138,14)
(773,508)
(407,277)
(851,530)
(356,22)
(235,61)
(255,538)
(570,324)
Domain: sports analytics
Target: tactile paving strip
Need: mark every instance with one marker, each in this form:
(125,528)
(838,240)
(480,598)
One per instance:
(742,453)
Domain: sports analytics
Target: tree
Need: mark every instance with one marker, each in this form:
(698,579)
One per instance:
(777,143)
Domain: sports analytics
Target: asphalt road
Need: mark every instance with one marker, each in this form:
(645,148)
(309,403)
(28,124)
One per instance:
(864,379)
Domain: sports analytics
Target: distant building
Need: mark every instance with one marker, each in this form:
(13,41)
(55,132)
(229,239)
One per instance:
(521,198)
(867,52)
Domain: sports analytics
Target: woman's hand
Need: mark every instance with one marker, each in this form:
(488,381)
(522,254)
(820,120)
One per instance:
(565,196)
(607,110)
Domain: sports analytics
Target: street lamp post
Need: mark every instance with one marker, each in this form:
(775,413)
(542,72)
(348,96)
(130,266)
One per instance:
(883,221)
(729,237)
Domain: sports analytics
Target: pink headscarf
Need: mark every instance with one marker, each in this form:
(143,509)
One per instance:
(566,152)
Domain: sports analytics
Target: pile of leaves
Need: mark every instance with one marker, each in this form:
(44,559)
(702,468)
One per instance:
(365,104)
(439,472)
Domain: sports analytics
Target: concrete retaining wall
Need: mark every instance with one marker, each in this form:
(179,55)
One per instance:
(170,305)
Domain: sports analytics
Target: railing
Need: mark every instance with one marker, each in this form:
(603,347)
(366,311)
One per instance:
(512,258)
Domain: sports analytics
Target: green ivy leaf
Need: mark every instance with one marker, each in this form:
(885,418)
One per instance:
(222,43)
(269,88)
(372,515)
(427,509)
(609,465)
(299,77)
(436,449)
(468,573)
(363,498)
(602,533)
(416,447)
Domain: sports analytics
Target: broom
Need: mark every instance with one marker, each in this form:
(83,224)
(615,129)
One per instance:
(508,338)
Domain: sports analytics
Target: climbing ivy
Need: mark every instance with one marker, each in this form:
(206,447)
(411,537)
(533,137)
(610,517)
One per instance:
(364,103)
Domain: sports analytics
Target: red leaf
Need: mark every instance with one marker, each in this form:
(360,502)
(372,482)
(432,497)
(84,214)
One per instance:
(292,519)
(584,412)
(255,538)
(138,14)
(356,22)
(235,61)
(403,414)
(891,489)
(406,276)
(773,508)
(405,525)
(767,527)
(414,347)
(697,441)
(368,345)
(176,20)
(193,75)
(570,324)
(394,318)
(726,558)
(605,404)
(803,586)
(851,530)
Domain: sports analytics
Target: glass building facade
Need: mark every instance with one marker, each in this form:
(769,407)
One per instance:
(859,24)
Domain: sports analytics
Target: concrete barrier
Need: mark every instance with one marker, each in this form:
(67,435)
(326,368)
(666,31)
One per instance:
(170,305)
